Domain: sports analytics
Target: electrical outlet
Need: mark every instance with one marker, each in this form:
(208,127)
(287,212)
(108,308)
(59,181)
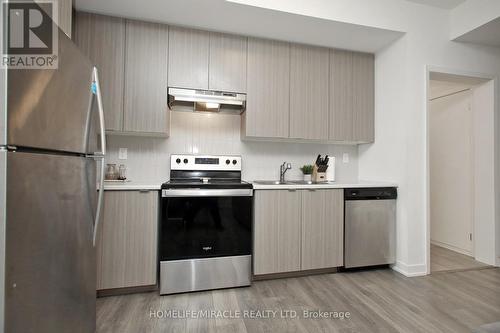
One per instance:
(345,158)
(122,153)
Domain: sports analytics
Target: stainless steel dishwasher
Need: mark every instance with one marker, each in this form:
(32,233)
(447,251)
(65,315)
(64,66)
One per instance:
(370,226)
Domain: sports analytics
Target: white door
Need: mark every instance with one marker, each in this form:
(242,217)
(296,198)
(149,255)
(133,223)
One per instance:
(451,171)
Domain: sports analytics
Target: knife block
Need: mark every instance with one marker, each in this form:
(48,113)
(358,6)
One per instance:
(318,176)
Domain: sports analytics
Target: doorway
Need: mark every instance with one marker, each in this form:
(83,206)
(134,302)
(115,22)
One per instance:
(461,171)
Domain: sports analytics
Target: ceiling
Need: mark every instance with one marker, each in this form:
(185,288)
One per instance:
(441,84)
(445,4)
(487,34)
(226,16)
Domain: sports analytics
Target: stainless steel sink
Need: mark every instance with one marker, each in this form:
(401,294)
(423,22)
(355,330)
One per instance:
(304,182)
(271,182)
(291,182)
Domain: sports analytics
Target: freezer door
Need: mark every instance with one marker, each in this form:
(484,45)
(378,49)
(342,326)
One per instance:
(49,109)
(50,261)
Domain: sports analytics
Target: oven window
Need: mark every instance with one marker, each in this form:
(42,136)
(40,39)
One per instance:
(205,227)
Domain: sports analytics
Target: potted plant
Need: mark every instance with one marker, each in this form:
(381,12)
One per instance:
(307,170)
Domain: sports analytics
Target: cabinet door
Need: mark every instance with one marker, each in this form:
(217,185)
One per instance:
(309,92)
(268,89)
(102,38)
(128,243)
(65,12)
(351,96)
(145,104)
(364,100)
(65,15)
(322,229)
(188,58)
(277,231)
(228,63)
(341,96)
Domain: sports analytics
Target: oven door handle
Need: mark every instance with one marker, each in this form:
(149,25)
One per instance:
(197,192)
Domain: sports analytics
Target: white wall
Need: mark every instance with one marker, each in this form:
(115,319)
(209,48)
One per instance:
(484,173)
(400,148)
(471,15)
(451,168)
(196,133)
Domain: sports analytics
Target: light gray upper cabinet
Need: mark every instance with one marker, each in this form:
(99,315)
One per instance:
(351,96)
(268,89)
(128,238)
(228,62)
(309,92)
(145,98)
(188,58)
(65,15)
(364,99)
(322,228)
(341,96)
(277,231)
(102,38)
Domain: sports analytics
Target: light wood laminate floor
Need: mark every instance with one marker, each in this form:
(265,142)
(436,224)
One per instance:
(378,301)
(446,260)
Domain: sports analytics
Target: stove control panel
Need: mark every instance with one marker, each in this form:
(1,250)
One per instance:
(205,162)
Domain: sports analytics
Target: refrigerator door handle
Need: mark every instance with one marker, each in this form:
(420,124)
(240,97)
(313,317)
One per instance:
(99,155)
(100,199)
(96,87)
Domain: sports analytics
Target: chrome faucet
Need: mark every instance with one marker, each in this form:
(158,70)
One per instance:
(283,169)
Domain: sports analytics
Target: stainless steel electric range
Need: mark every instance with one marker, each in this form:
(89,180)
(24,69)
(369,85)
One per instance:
(206,225)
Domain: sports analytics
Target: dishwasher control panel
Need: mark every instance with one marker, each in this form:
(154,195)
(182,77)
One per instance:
(371,193)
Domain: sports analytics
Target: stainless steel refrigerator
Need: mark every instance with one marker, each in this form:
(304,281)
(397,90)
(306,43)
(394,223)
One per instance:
(51,140)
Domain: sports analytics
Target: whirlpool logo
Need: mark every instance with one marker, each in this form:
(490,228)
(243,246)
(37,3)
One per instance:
(29,35)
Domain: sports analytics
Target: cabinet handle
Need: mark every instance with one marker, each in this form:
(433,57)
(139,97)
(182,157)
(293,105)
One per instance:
(143,191)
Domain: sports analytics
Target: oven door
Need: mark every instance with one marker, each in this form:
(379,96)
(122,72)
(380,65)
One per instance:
(204,223)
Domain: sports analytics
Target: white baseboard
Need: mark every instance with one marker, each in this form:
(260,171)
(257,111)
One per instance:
(410,270)
(451,248)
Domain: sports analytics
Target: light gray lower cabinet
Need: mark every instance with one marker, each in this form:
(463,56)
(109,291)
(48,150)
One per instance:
(309,92)
(145,97)
(322,229)
(276,231)
(298,230)
(351,117)
(127,241)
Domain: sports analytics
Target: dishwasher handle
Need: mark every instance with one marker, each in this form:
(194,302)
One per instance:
(371,193)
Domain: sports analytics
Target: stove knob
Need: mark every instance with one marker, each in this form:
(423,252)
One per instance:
(234,161)
(185,161)
(228,161)
(178,161)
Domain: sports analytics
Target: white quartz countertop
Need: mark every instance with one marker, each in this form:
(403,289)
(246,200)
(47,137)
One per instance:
(328,185)
(138,186)
(131,186)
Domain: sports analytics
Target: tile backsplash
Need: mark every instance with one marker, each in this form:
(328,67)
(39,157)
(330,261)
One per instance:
(197,133)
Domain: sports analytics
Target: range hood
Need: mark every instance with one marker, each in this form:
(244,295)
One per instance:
(180,99)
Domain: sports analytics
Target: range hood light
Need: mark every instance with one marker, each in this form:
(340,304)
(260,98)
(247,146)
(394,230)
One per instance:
(209,105)
(206,107)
